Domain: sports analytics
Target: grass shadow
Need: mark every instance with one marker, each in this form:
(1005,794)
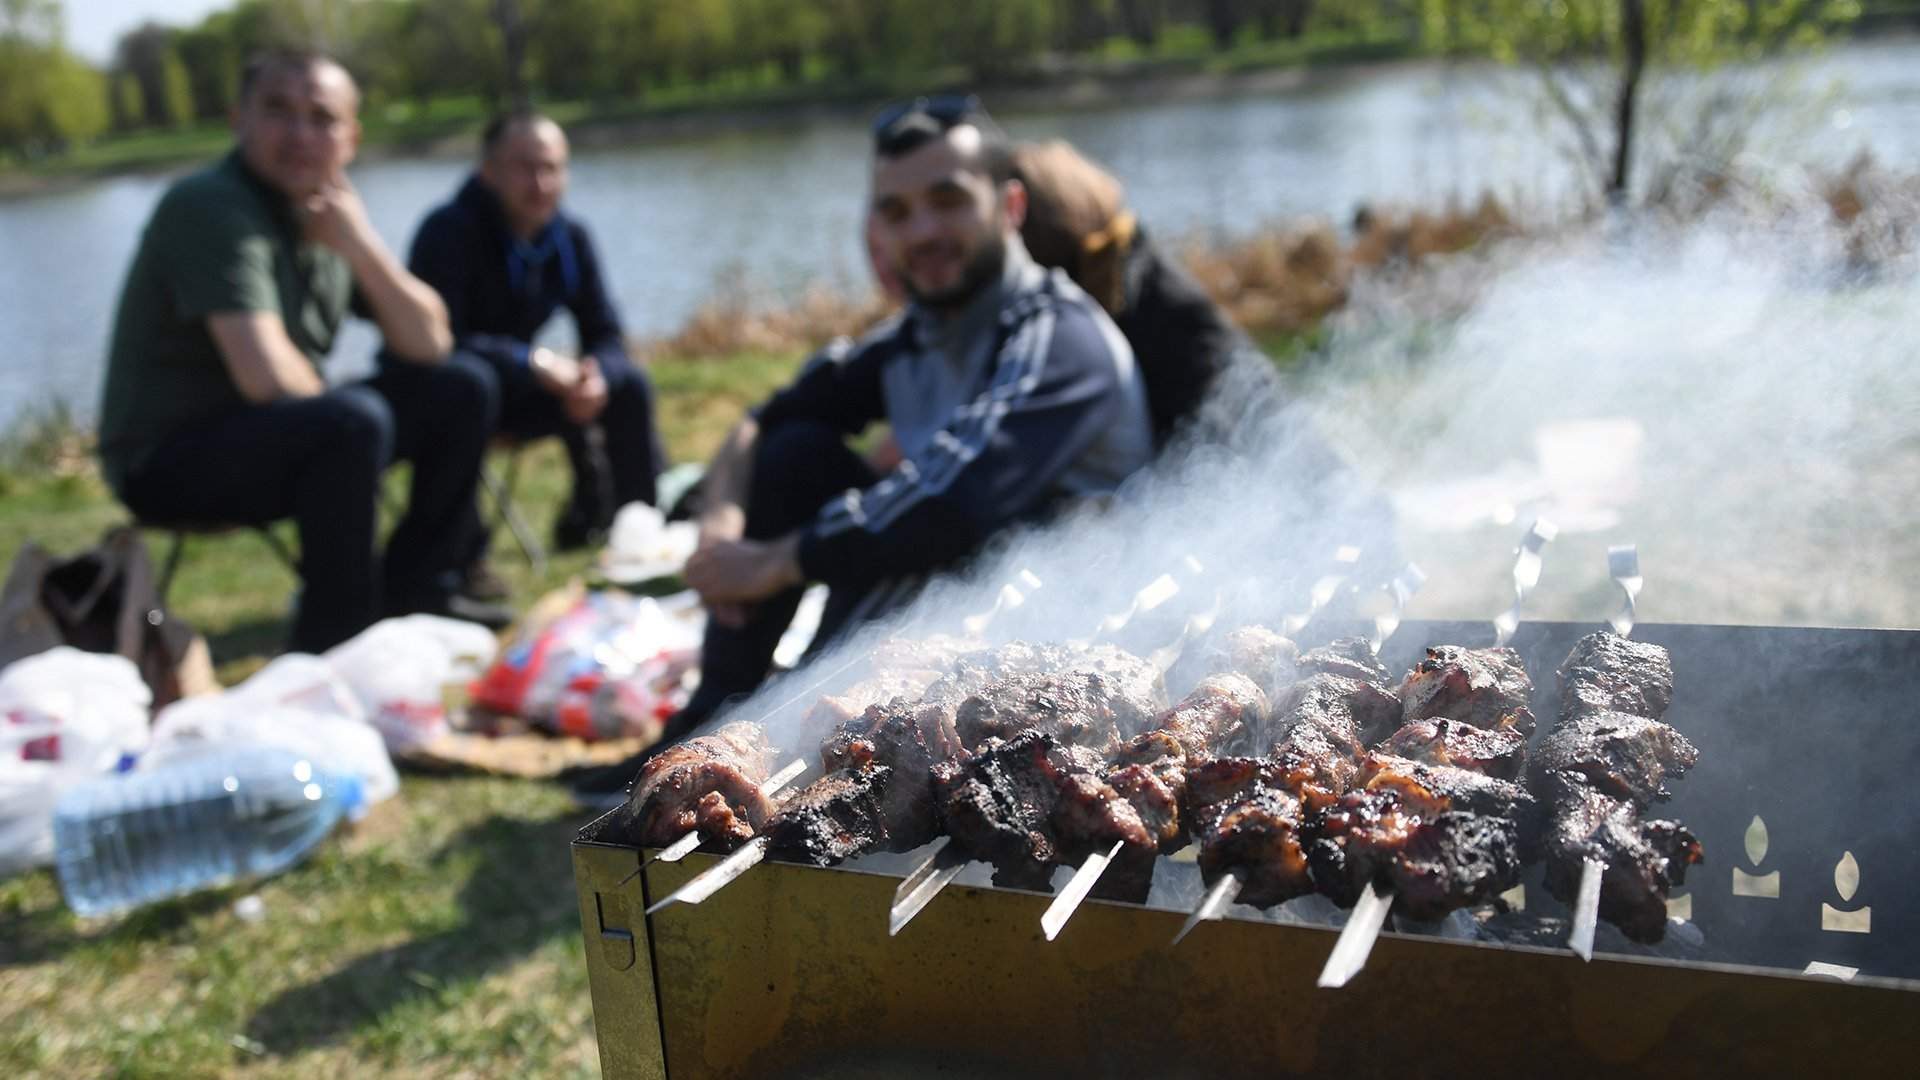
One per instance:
(518,898)
(50,931)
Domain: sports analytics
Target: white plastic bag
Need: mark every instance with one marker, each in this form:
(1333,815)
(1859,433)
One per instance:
(642,545)
(399,669)
(298,703)
(66,716)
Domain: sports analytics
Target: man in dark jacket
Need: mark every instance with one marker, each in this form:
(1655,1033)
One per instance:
(1005,386)
(505,257)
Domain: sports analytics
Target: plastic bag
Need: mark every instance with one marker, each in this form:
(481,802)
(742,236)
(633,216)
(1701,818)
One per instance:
(643,546)
(66,716)
(298,703)
(400,669)
(610,665)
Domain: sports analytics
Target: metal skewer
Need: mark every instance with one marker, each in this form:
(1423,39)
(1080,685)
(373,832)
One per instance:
(1623,565)
(1356,938)
(716,877)
(1215,903)
(1586,909)
(1068,901)
(1400,591)
(1526,574)
(920,887)
(1345,558)
(1008,598)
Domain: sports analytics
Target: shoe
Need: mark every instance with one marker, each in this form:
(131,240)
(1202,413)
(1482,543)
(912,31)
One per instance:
(573,534)
(482,583)
(491,615)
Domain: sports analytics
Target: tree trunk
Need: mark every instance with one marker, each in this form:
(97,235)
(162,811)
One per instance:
(513,35)
(1223,18)
(1633,41)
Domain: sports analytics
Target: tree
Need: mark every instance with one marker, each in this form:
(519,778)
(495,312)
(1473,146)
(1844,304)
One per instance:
(48,98)
(1596,57)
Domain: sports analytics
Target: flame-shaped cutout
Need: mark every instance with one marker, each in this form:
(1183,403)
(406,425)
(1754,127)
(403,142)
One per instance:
(1846,876)
(1756,840)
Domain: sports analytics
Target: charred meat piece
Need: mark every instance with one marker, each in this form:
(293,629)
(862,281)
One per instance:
(710,783)
(1448,787)
(1644,860)
(1260,654)
(1083,708)
(1626,757)
(1247,818)
(1433,859)
(837,816)
(1349,712)
(909,739)
(1482,687)
(997,806)
(1608,673)
(1352,657)
(1498,752)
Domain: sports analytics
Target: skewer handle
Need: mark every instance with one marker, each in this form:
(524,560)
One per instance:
(1623,565)
(1356,938)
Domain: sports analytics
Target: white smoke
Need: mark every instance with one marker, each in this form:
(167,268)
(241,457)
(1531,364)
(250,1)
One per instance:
(1736,395)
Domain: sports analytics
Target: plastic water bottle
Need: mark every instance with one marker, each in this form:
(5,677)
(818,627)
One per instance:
(198,823)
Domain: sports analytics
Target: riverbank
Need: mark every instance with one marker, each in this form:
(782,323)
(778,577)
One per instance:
(1184,71)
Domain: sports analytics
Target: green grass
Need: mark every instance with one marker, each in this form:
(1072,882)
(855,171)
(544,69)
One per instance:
(439,937)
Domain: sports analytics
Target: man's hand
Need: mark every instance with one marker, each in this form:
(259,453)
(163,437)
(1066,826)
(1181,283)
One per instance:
(335,217)
(557,374)
(588,395)
(744,571)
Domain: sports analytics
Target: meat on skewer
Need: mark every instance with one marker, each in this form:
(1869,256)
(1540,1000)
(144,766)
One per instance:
(1486,688)
(1601,768)
(711,784)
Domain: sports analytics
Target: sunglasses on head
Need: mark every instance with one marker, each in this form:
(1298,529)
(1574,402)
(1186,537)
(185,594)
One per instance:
(945,110)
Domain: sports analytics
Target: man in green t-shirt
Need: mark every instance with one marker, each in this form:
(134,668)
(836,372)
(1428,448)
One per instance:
(214,409)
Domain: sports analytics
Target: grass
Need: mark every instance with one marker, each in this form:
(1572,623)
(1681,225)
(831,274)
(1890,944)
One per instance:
(439,937)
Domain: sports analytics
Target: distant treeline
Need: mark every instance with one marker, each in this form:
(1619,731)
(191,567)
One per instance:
(488,53)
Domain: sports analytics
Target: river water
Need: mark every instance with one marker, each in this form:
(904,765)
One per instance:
(778,209)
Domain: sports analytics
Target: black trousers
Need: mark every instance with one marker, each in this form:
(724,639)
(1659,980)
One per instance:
(318,460)
(797,468)
(615,461)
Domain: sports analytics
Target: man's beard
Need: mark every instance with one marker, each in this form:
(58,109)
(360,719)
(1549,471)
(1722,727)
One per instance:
(982,270)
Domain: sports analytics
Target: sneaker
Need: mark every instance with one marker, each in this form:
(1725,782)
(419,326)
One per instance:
(482,582)
(491,615)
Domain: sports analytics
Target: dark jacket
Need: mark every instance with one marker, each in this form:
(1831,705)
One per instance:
(1181,339)
(1045,405)
(500,290)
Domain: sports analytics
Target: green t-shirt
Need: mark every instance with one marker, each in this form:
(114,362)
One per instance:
(220,241)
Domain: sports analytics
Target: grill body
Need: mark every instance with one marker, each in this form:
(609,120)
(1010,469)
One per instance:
(789,971)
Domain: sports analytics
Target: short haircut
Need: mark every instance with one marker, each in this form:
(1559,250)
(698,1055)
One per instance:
(260,63)
(905,127)
(503,123)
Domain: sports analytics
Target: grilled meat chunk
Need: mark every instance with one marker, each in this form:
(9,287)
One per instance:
(710,783)
(837,816)
(909,739)
(1608,673)
(1434,859)
(1644,860)
(1348,712)
(1129,676)
(1352,657)
(892,684)
(997,806)
(1260,654)
(1248,818)
(1499,752)
(1449,787)
(1482,687)
(1626,757)
(1084,708)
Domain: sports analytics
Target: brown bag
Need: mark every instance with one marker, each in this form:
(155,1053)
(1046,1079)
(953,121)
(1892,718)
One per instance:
(102,600)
